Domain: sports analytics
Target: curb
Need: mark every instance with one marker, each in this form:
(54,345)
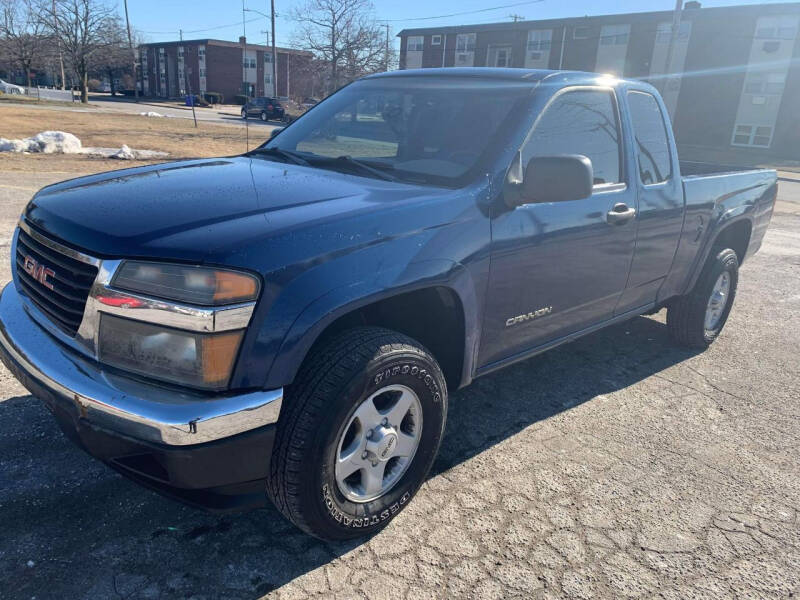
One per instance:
(789,179)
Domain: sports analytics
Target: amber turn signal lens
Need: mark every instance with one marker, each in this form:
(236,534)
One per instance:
(231,287)
(219,352)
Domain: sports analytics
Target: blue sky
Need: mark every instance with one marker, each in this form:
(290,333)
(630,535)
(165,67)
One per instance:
(160,20)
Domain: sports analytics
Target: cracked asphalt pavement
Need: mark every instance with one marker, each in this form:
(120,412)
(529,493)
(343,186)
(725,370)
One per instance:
(615,466)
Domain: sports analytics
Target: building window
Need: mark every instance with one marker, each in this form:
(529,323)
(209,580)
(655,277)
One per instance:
(580,122)
(761,83)
(539,40)
(415,43)
(778,32)
(664,32)
(268,57)
(201,51)
(202,72)
(580,33)
(436,40)
(499,56)
(752,135)
(249,63)
(614,35)
(650,130)
(465,42)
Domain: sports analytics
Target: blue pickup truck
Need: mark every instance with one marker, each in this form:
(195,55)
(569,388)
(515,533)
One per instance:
(286,324)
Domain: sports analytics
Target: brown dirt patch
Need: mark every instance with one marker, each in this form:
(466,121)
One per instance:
(179,137)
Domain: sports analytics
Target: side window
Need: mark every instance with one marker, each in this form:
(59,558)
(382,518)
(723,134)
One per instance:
(580,122)
(650,132)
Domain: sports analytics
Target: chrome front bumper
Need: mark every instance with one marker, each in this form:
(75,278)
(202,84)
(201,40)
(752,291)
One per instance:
(119,404)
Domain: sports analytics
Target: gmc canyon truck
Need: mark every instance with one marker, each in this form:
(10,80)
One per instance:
(286,324)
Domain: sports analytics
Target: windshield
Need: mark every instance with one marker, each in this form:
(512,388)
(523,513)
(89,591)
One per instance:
(418,129)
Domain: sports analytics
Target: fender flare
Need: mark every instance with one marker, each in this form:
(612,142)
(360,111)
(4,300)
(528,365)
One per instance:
(338,302)
(730,217)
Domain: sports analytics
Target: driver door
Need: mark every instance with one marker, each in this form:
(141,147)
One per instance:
(560,267)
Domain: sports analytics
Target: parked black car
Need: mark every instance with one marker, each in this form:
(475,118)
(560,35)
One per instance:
(266,109)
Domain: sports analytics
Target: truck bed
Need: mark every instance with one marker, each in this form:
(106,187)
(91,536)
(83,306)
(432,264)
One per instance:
(714,198)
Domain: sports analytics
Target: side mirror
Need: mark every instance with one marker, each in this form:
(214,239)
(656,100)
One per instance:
(275,132)
(555,179)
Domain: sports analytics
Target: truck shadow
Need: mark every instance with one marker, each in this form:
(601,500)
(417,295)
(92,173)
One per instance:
(503,403)
(73,528)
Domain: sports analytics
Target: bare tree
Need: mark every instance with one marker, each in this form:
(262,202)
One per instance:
(83,28)
(22,32)
(344,35)
(112,59)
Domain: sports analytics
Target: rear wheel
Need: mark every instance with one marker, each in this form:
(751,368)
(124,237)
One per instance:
(696,319)
(244,113)
(358,434)
(263,116)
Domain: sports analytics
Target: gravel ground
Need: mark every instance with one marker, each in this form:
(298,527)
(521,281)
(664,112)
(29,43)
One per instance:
(616,466)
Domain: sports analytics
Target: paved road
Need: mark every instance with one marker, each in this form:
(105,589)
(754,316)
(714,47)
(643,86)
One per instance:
(616,466)
(226,115)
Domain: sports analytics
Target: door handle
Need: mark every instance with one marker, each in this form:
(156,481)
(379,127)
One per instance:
(621,213)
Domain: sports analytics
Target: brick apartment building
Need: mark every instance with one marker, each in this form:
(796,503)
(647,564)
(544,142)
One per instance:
(173,69)
(737,87)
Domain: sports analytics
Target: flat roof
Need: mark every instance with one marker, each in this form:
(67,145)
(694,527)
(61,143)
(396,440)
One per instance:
(228,44)
(686,13)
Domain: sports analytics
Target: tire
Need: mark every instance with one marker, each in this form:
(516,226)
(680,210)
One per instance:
(244,114)
(321,411)
(687,315)
(264,116)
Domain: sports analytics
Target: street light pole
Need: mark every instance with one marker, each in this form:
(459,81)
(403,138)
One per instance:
(673,36)
(271,21)
(133,54)
(275,54)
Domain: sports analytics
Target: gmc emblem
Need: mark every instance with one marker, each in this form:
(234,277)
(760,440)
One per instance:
(38,271)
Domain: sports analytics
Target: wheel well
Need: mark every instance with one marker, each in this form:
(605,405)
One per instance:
(432,316)
(735,236)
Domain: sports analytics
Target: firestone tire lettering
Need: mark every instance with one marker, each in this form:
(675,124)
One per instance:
(356,522)
(421,374)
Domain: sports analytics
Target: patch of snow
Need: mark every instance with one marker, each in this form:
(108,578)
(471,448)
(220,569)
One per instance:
(47,142)
(123,153)
(60,142)
(151,113)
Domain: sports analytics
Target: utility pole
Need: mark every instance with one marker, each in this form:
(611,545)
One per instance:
(386,58)
(275,55)
(515,17)
(245,90)
(673,36)
(188,80)
(133,54)
(58,43)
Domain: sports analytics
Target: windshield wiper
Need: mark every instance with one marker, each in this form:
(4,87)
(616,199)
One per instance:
(281,153)
(353,162)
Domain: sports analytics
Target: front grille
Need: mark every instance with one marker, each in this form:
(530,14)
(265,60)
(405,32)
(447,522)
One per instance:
(71,281)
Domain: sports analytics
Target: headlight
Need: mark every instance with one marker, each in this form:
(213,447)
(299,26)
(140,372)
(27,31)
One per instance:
(205,286)
(183,357)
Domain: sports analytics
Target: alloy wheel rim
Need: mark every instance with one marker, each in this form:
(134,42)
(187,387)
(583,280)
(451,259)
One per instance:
(378,444)
(718,300)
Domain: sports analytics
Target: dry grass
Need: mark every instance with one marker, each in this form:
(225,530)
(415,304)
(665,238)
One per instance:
(176,136)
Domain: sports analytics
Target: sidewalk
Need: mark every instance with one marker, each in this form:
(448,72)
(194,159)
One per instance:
(788,176)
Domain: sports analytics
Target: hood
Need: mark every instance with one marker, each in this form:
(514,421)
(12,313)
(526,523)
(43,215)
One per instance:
(200,210)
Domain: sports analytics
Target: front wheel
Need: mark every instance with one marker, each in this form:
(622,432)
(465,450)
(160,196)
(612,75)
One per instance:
(696,319)
(264,116)
(359,432)
(244,113)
